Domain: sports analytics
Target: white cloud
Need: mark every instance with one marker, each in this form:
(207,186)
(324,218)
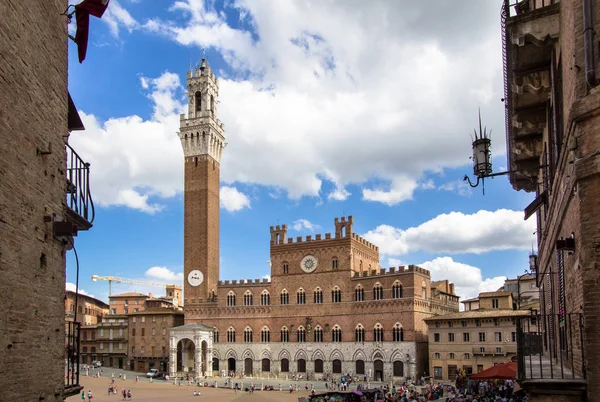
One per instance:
(116,16)
(165,274)
(401,190)
(395,262)
(233,200)
(267,277)
(326,75)
(339,194)
(459,186)
(427,185)
(467,279)
(458,233)
(302,224)
(133,159)
(71,287)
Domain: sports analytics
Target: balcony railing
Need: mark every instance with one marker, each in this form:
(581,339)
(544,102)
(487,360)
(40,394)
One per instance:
(72,386)
(552,348)
(79,198)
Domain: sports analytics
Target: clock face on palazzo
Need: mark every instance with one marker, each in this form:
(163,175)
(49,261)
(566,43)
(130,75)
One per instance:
(195,277)
(309,263)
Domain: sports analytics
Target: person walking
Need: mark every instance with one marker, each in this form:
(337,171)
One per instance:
(83,395)
(128,394)
(124,393)
(90,396)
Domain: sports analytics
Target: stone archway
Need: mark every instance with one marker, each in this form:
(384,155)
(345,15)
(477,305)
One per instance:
(378,370)
(186,356)
(190,348)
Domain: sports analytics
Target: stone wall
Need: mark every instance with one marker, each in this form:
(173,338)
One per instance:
(33,122)
(347,352)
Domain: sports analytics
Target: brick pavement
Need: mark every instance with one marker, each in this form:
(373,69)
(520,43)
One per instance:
(155,392)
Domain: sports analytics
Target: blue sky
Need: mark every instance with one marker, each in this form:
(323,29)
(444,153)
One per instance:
(330,109)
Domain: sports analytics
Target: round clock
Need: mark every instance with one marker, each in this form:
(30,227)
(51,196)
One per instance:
(195,278)
(309,263)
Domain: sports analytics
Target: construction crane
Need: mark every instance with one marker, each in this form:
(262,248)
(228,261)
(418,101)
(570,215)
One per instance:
(117,279)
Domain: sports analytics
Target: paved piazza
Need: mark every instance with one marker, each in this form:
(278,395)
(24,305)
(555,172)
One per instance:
(161,391)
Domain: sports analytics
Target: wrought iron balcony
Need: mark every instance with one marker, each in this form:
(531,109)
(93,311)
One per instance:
(80,206)
(72,386)
(530,29)
(552,348)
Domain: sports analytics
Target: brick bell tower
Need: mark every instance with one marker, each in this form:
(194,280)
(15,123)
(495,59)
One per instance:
(202,139)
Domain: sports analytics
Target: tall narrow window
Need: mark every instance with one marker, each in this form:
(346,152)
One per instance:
(336,295)
(318,334)
(231,335)
(286,268)
(301,335)
(248,335)
(285,334)
(265,335)
(398,333)
(300,296)
(231,299)
(397,290)
(247,298)
(336,334)
(212,104)
(198,101)
(318,296)
(334,264)
(265,298)
(285,297)
(359,293)
(359,333)
(377,292)
(378,333)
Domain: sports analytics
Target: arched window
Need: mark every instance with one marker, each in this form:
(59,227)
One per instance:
(301,366)
(360,367)
(451,356)
(397,290)
(336,334)
(336,366)
(286,268)
(336,295)
(318,334)
(265,335)
(436,356)
(284,334)
(231,299)
(467,356)
(198,101)
(300,296)
(318,296)
(398,333)
(301,334)
(231,334)
(398,369)
(285,297)
(265,298)
(248,335)
(360,266)
(215,335)
(359,333)
(424,290)
(378,333)
(248,298)
(334,263)
(212,104)
(377,292)
(359,293)
(285,365)
(318,366)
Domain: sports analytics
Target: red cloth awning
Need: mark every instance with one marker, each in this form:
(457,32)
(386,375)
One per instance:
(503,371)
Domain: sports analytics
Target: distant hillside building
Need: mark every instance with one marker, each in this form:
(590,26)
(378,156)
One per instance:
(329,308)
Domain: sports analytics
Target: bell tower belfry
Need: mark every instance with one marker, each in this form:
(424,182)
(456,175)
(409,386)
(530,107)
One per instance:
(202,140)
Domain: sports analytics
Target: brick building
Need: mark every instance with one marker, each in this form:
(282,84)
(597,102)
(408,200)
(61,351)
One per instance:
(38,216)
(149,332)
(129,302)
(89,309)
(552,118)
(329,308)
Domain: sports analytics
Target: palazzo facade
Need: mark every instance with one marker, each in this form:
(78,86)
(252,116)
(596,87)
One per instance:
(328,308)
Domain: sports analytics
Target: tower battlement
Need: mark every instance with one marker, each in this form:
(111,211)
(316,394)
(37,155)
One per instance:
(406,269)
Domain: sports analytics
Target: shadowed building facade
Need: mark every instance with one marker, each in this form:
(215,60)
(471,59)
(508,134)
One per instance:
(328,308)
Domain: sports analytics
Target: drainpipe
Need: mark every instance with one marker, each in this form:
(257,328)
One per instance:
(588,44)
